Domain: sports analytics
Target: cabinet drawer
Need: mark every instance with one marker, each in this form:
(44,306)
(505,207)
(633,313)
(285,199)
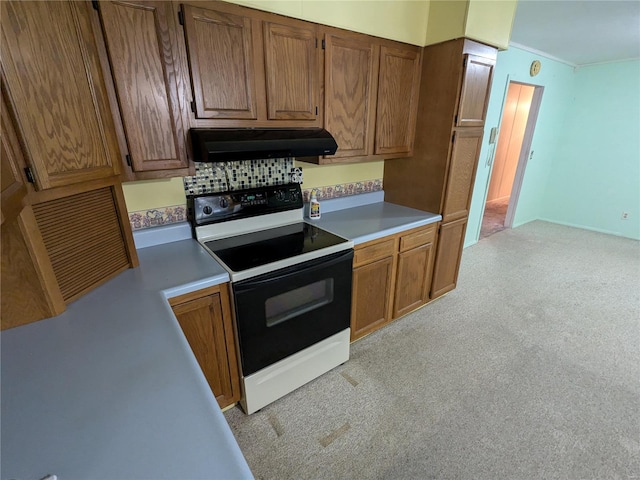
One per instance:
(374,252)
(415,239)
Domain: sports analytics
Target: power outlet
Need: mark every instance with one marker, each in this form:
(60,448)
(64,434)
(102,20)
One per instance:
(295,175)
(625,215)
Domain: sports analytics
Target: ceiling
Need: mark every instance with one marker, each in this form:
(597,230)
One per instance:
(579,32)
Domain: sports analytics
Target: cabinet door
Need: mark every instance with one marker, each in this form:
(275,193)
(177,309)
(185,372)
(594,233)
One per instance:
(474,96)
(398,86)
(54,80)
(350,93)
(412,289)
(141,38)
(13,189)
(208,330)
(448,254)
(292,71)
(222,58)
(371,297)
(461,173)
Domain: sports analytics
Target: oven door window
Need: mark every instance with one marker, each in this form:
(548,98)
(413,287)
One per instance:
(297,302)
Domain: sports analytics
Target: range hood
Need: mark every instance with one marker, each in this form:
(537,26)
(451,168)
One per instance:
(222,144)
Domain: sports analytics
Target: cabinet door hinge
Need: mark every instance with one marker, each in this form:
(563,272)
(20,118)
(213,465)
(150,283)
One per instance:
(193,106)
(128,159)
(316,110)
(316,43)
(29,173)
(455,119)
(180,17)
(95,5)
(324,44)
(453,137)
(464,62)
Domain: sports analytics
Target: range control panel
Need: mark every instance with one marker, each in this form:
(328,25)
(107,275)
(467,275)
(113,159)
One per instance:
(218,207)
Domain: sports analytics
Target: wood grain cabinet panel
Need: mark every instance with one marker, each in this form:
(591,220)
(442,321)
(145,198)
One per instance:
(448,255)
(11,161)
(351,65)
(462,171)
(439,176)
(29,291)
(474,95)
(371,297)
(412,288)
(399,83)
(205,319)
(391,277)
(54,79)
(222,59)
(141,40)
(292,67)
(415,268)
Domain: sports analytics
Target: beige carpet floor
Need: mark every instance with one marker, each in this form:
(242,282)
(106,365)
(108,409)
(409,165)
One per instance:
(530,369)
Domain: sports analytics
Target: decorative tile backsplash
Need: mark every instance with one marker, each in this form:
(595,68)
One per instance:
(236,175)
(343,189)
(156,217)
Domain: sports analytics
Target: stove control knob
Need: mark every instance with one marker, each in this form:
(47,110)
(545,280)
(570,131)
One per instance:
(279,195)
(224,203)
(207,210)
(294,195)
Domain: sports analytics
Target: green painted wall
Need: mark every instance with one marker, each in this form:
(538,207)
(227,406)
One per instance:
(557,80)
(596,174)
(585,170)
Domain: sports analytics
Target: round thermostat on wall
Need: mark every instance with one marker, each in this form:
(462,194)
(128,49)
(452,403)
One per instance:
(535,68)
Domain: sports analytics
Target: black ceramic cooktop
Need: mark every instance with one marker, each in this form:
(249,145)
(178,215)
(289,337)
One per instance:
(266,246)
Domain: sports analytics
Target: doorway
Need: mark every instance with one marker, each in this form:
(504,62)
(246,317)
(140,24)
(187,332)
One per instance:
(519,115)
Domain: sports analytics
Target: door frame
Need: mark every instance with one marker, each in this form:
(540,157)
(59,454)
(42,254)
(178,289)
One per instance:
(525,151)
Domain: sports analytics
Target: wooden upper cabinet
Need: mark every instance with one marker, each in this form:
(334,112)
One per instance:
(474,96)
(350,93)
(292,71)
(141,39)
(222,58)
(13,189)
(398,88)
(462,172)
(55,84)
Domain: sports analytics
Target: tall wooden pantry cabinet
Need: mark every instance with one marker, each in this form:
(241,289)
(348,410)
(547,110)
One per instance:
(439,177)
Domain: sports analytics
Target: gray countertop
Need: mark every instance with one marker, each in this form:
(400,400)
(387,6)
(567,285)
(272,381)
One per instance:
(375,220)
(110,388)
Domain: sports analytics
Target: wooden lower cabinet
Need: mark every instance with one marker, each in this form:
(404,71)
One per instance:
(448,254)
(371,296)
(391,278)
(412,289)
(205,318)
(415,266)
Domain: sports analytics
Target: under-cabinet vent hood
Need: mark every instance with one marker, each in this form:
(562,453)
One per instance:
(220,144)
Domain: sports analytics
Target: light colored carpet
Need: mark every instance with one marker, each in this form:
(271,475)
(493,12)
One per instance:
(529,369)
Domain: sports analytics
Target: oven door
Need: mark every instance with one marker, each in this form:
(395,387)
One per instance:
(283,312)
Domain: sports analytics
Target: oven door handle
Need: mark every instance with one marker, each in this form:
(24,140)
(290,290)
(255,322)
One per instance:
(309,267)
